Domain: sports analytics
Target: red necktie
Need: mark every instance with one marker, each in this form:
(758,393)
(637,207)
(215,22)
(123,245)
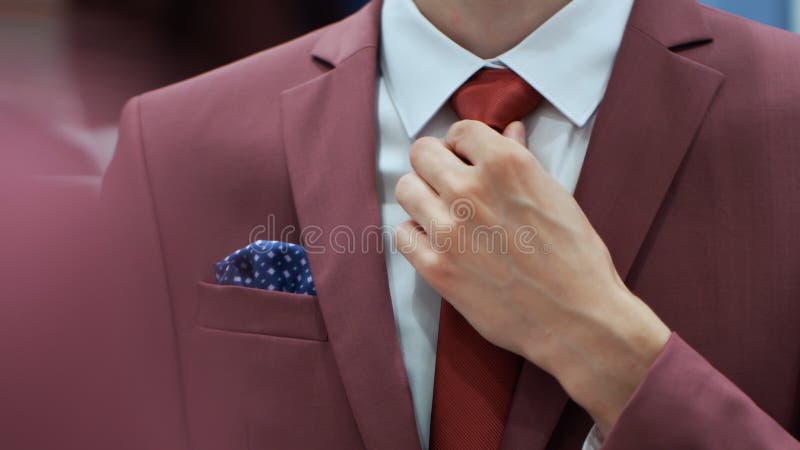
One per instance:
(474,380)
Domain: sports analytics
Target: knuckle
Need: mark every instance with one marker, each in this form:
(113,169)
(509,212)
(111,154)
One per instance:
(448,177)
(421,146)
(467,125)
(402,231)
(403,187)
(430,263)
(406,179)
(465,188)
(503,161)
(426,141)
(463,128)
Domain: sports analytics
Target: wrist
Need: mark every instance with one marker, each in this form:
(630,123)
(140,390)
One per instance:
(610,358)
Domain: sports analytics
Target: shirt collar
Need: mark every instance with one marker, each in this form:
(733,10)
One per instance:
(568,59)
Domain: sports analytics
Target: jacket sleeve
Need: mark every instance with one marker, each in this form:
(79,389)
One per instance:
(685,403)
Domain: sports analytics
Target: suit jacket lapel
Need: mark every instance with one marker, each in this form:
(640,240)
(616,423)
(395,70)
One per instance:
(654,105)
(653,108)
(330,138)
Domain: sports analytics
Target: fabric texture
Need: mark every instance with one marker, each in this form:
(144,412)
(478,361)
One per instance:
(685,179)
(270,265)
(472,389)
(495,97)
(414,85)
(475,380)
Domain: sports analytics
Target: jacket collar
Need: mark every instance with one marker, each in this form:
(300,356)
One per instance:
(350,35)
(673,24)
(568,59)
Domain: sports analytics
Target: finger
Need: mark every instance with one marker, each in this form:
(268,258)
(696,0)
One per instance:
(516,131)
(472,140)
(410,239)
(421,203)
(418,248)
(434,162)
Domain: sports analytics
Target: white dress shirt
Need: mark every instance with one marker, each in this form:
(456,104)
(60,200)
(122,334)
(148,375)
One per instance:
(568,60)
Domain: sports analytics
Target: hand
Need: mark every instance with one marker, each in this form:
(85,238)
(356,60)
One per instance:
(511,250)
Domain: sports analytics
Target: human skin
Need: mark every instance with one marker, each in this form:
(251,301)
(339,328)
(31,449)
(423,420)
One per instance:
(487,28)
(565,309)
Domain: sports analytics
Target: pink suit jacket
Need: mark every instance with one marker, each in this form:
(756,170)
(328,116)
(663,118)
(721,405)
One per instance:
(691,179)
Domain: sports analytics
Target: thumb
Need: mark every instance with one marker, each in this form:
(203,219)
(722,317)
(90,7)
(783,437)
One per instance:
(516,131)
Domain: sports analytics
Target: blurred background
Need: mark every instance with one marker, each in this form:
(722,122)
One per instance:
(67,66)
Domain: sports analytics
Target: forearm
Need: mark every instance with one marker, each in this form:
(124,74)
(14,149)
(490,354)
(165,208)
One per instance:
(602,358)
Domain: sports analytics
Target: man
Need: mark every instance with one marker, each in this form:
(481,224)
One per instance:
(672,123)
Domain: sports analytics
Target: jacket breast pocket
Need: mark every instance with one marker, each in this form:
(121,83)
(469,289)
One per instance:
(260,312)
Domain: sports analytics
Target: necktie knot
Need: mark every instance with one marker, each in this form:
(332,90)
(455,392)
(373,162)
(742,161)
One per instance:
(496,97)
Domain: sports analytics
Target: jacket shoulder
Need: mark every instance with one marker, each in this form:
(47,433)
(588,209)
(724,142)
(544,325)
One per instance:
(745,43)
(760,64)
(268,72)
(760,89)
(228,108)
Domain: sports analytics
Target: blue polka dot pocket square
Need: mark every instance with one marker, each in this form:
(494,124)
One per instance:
(268,265)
